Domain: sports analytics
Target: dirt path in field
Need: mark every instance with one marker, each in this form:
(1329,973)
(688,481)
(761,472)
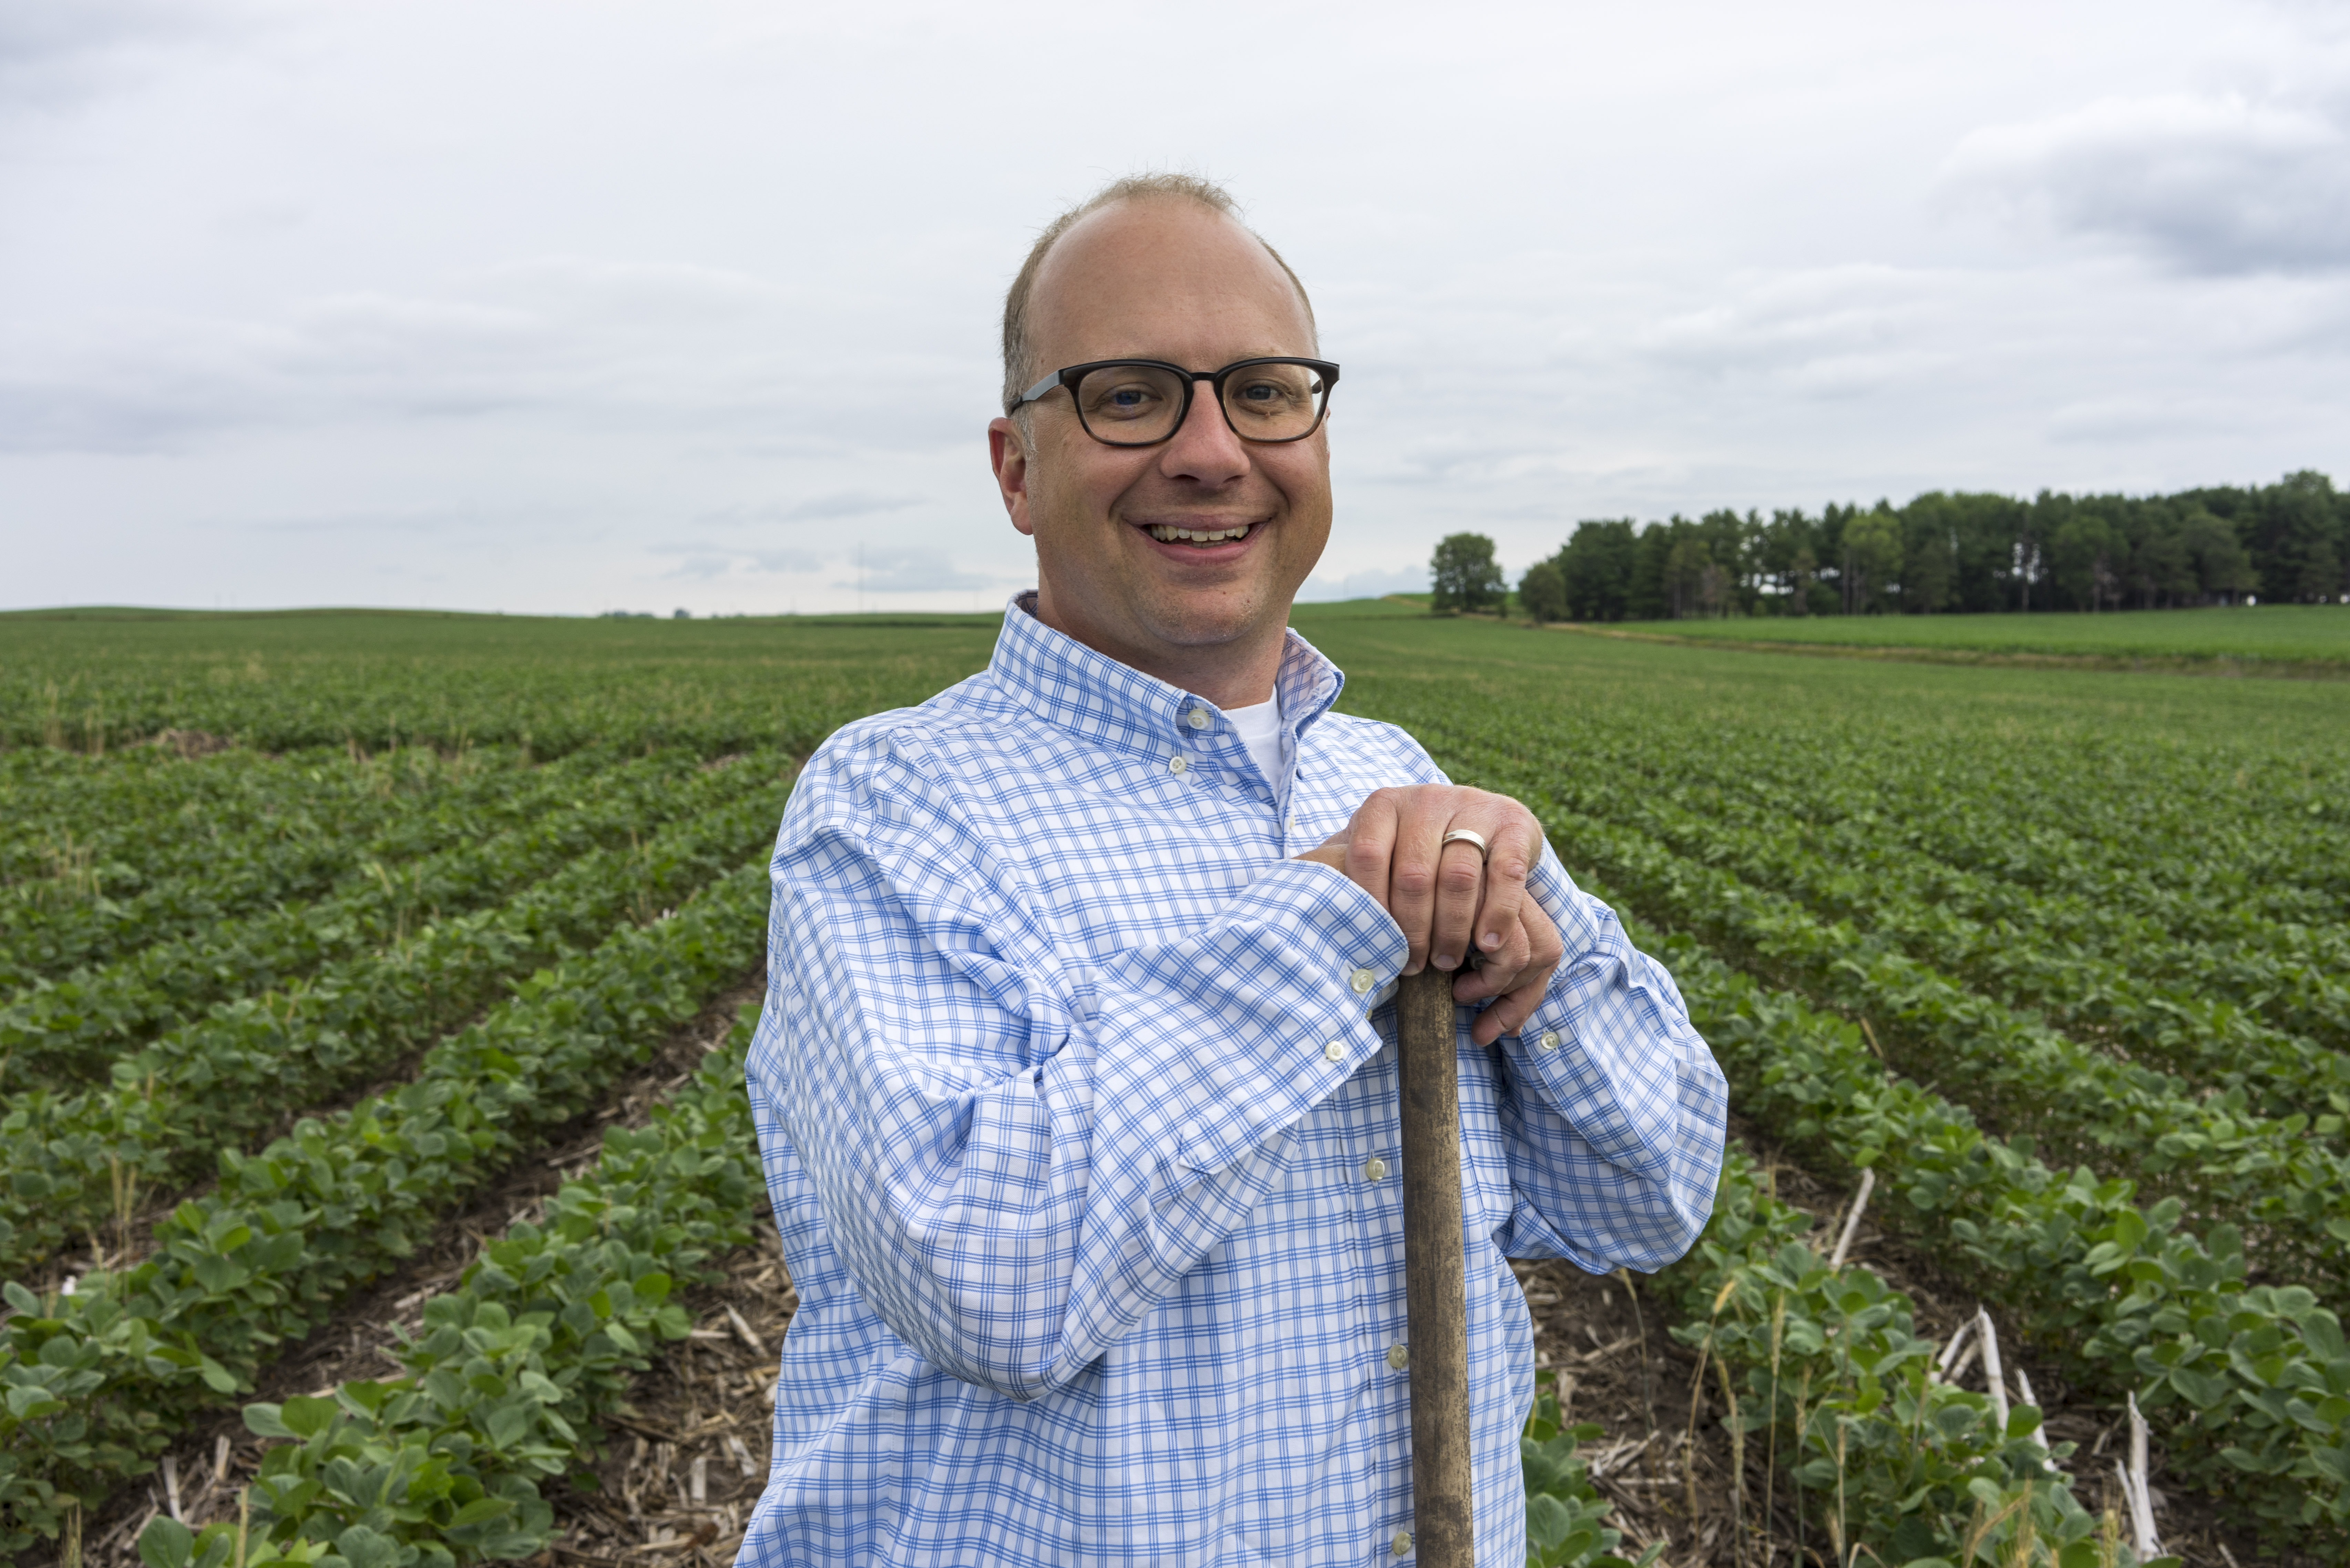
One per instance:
(218,1456)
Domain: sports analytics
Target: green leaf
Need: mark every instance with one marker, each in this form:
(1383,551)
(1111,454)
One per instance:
(305,1416)
(1547,1520)
(363,1548)
(264,1420)
(166,1542)
(2201,1388)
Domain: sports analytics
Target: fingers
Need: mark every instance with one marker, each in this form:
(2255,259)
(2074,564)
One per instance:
(1393,855)
(1515,848)
(1517,975)
(1460,879)
(1444,896)
(1370,843)
(1508,1015)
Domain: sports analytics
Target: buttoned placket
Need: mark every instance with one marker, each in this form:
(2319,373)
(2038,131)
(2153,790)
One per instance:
(1372,1207)
(1202,729)
(1207,751)
(1356,1117)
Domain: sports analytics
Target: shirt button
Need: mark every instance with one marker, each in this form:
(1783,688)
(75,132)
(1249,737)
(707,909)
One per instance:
(1200,718)
(1335,1051)
(1362,980)
(1375,1168)
(1292,825)
(1401,1545)
(1398,1358)
(1549,1041)
(1176,764)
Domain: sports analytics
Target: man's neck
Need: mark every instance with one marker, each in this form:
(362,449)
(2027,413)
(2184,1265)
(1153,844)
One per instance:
(1235,674)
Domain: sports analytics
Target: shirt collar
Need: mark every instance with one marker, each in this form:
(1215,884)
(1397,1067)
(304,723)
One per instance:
(1092,695)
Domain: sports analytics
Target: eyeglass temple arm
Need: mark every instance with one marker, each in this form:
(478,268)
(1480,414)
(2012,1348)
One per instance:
(1039,390)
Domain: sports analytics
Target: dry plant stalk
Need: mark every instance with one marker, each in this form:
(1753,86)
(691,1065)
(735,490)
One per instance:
(1737,1467)
(1852,1220)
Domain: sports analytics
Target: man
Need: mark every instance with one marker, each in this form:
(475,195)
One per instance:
(1077,1080)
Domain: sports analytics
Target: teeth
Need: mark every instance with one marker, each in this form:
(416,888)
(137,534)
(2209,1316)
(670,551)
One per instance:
(1167,533)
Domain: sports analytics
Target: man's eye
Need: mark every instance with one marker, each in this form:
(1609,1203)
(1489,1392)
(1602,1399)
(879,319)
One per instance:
(1125,402)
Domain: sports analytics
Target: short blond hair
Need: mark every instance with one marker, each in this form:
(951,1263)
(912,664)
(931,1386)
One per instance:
(1019,374)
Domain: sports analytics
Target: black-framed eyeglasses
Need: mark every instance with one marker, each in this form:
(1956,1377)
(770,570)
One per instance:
(1142,402)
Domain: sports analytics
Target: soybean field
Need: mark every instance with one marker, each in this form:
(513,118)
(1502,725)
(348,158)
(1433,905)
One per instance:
(380,1188)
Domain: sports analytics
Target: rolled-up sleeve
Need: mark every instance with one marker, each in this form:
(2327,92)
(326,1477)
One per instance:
(1019,1153)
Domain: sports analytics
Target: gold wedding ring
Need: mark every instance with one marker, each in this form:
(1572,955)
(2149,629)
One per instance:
(1463,835)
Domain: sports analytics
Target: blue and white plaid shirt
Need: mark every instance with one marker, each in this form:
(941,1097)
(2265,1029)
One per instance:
(1077,1101)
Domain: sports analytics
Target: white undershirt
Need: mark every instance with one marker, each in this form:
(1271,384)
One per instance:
(1260,731)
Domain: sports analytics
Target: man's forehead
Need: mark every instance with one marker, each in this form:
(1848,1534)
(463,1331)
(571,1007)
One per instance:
(1168,269)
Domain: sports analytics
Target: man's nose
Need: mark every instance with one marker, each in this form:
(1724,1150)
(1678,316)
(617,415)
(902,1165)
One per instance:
(1205,449)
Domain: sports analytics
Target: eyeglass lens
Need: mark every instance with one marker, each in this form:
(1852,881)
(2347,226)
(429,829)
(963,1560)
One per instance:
(1138,404)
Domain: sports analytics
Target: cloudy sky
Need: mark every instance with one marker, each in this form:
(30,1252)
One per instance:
(562,306)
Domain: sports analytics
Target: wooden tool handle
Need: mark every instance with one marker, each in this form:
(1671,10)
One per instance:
(1435,1295)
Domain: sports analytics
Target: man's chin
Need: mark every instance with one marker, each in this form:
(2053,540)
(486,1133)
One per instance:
(1205,620)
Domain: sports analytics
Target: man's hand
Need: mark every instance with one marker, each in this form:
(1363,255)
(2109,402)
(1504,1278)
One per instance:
(1443,895)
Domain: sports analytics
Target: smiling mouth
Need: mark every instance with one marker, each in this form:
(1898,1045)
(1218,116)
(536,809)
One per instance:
(1167,533)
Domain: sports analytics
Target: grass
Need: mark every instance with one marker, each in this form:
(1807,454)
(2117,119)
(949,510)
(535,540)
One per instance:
(1697,684)
(2315,635)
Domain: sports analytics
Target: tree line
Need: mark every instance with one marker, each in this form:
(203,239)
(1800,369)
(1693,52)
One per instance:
(1943,551)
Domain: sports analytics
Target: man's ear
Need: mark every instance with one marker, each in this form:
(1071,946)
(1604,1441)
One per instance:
(1007,452)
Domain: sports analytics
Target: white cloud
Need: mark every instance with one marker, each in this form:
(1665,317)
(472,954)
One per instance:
(915,572)
(2218,184)
(54,55)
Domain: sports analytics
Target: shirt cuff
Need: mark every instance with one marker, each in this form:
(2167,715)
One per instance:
(1335,949)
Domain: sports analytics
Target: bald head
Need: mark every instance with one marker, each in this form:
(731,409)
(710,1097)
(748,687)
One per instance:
(1035,306)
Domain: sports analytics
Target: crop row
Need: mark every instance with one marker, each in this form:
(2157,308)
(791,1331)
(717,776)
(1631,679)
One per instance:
(99,1381)
(100,803)
(503,1384)
(2249,1384)
(2283,1180)
(552,689)
(2173,945)
(1824,1377)
(2195,943)
(1822,1367)
(2213,1044)
(2186,837)
(503,1381)
(59,1033)
(2140,823)
(2285,1176)
(181,875)
(135,817)
(2250,824)
(72,1162)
